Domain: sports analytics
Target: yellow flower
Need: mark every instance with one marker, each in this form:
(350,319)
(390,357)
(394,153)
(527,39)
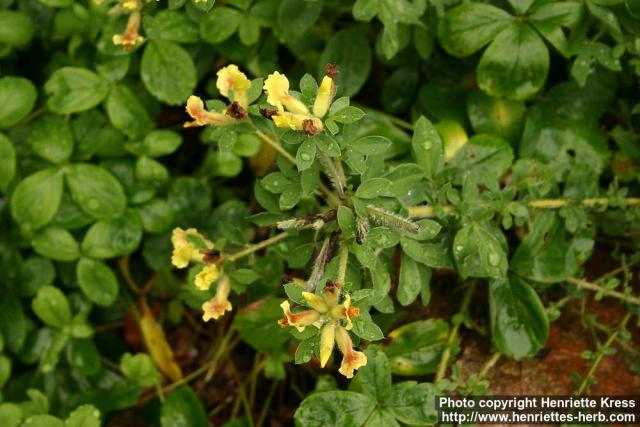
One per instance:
(327,341)
(324,97)
(130,38)
(131,5)
(327,314)
(305,122)
(351,359)
(315,302)
(277,88)
(300,319)
(187,246)
(219,304)
(201,117)
(231,79)
(207,276)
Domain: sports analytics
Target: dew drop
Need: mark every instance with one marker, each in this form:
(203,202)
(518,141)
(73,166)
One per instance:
(305,157)
(426,145)
(93,204)
(494,259)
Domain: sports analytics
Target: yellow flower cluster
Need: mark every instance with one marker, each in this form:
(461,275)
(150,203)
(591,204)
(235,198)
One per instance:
(189,245)
(333,318)
(292,113)
(232,84)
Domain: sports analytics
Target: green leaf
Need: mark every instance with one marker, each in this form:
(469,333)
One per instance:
(249,30)
(172,26)
(110,238)
(416,348)
(36,199)
(55,243)
(607,18)
(219,24)
(127,114)
(347,221)
(18,98)
(350,51)
(7,161)
(183,409)
(479,251)
(519,324)
(374,379)
(306,154)
(34,273)
(348,115)
(16,28)
(84,416)
(12,322)
(500,117)
(328,145)
(436,255)
(373,188)
(258,325)
(51,306)
(334,408)
(82,355)
(168,72)
(544,255)
(151,170)
(515,65)
(73,89)
(43,421)
(10,414)
(427,147)
(467,28)
(413,404)
(371,145)
(97,281)
(96,191)
(140,368)
(413,278)
(485,158)
(366,329)
(156,215)
(51,138)
(295,17)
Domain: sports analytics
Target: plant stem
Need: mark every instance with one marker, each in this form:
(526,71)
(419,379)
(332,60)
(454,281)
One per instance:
(446,353)
(426,211)
(583,284)
(395,120)
(342,267)
(279,148)
(331,198)
(489,364)
(267,404)
(256,247)
(123,266)
(588,378)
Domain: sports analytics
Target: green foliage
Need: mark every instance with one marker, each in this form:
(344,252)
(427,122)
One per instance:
(504,153)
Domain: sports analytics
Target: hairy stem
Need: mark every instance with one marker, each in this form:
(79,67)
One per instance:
(589,377)
(426,211)
(256,247)
(453,334)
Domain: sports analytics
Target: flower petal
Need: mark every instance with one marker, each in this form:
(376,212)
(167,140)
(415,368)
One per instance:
(300,319)
(351,359)
(324,96)
(327,342)
(209,274)
(277,87)
(316,302)
(231,79)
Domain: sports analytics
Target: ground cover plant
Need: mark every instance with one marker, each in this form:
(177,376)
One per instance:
(314,212)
